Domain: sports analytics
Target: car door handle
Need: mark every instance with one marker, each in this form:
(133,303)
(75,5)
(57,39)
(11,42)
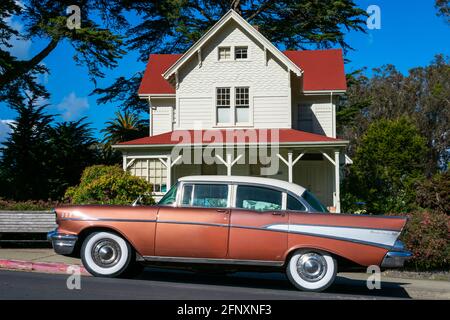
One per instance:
(222,210)
(278,213)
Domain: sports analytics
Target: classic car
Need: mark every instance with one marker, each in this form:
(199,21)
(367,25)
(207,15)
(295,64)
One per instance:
(230,221)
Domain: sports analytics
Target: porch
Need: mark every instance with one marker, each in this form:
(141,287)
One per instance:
(310,160)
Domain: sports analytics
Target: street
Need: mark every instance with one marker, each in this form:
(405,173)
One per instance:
(173,285)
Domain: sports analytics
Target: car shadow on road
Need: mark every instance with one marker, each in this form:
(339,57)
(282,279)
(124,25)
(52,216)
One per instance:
(274,281)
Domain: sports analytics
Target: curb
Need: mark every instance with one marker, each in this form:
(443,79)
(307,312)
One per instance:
(47,267)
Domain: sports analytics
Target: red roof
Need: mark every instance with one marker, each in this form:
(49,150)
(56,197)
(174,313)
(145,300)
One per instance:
(231,136)
(323,70)
(153,81)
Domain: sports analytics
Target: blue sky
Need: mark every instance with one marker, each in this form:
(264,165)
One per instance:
(411,35)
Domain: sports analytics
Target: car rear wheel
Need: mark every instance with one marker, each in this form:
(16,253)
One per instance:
(105,254)
(311,270)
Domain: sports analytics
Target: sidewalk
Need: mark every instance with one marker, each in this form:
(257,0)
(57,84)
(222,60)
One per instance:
(45,260)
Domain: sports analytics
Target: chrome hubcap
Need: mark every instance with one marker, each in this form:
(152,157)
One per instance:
(311,267)
(106,253)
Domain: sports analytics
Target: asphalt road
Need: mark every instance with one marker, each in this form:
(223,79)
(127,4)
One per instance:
(171,284)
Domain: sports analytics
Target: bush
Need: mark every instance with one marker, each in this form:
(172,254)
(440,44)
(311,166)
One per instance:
(426,235)
(108,185)
(30,205)
(388,162)
(434,193)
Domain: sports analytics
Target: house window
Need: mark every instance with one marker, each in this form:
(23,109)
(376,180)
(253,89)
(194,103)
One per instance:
(305,117)
(223,105)
(151,170)
(240,53)
(224,53)
(242,104)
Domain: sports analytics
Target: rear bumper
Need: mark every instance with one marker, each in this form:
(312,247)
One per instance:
(62,243)
(397,257)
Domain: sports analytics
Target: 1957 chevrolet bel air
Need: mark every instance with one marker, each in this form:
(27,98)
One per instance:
(230,221)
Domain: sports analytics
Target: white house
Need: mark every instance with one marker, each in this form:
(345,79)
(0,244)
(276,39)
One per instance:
(234,92)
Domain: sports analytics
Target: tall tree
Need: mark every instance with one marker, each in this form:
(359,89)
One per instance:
(422,95)
(169,26)
(443,7)
(24,159)
(95,46)
(73,150)
(126,126)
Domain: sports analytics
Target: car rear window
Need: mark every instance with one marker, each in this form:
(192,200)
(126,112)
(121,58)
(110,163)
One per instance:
(258,198)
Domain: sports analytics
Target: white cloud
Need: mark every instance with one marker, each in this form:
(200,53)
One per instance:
(20,47)
(73,107)
(4,128)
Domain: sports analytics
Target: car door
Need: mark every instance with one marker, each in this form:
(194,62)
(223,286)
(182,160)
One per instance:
(198,227)
(256,209)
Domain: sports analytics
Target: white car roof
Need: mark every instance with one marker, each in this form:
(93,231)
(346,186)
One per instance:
(292,187)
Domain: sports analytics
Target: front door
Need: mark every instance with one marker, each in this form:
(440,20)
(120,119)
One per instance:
(199,227)
(258,208)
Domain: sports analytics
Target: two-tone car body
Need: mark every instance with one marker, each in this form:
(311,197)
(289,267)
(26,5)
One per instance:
(230,221)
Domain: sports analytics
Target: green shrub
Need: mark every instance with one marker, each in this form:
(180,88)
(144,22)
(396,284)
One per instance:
(108,185)
(434,193)
(30,205)
(426,235)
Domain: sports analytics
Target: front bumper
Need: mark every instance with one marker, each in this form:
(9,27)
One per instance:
(62,243)
(396,257)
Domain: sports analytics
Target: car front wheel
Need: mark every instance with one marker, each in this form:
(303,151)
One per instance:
(311,270)
(105,254)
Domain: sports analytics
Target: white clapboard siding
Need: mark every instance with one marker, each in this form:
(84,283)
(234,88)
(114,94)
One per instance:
(196,113)
(27,221)
(271,112)
(163,115)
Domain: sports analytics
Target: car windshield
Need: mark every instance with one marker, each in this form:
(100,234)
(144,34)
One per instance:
(170,197)
(314,202)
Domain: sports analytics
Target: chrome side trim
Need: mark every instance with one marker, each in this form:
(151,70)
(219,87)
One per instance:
(108,219)
(195,223)
(215,261)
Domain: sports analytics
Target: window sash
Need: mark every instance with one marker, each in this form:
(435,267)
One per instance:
(224,53)
(240,53)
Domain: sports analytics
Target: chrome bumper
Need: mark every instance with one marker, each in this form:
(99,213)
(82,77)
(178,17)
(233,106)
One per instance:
(62,243)
(397,257)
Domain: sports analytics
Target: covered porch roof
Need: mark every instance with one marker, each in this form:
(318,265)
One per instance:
(285,137)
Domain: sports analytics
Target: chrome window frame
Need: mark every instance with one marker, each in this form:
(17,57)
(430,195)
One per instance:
(193,183)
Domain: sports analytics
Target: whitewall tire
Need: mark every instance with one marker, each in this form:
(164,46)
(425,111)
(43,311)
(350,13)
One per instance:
(105,254)
(311,270)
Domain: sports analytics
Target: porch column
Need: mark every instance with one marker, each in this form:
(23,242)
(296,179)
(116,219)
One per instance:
(124,162)
(168,163)
(337,182)
(229,163)
(337,193)
(290,163)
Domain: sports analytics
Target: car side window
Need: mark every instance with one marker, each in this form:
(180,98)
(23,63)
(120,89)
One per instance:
(258,198)
(293,204)
(187,194)
(205,195)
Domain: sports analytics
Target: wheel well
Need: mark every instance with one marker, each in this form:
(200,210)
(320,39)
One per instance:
(89,230)
(342,263)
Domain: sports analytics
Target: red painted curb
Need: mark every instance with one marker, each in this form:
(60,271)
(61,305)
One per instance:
(49,267)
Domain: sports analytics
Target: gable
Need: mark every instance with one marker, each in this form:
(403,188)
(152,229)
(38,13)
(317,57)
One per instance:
(231,16)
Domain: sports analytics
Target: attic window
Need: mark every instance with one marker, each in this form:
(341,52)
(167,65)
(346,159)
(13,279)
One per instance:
(240,53)
(224,53)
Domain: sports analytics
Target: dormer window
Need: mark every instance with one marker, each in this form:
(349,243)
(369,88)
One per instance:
(224,53)
(240,53)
